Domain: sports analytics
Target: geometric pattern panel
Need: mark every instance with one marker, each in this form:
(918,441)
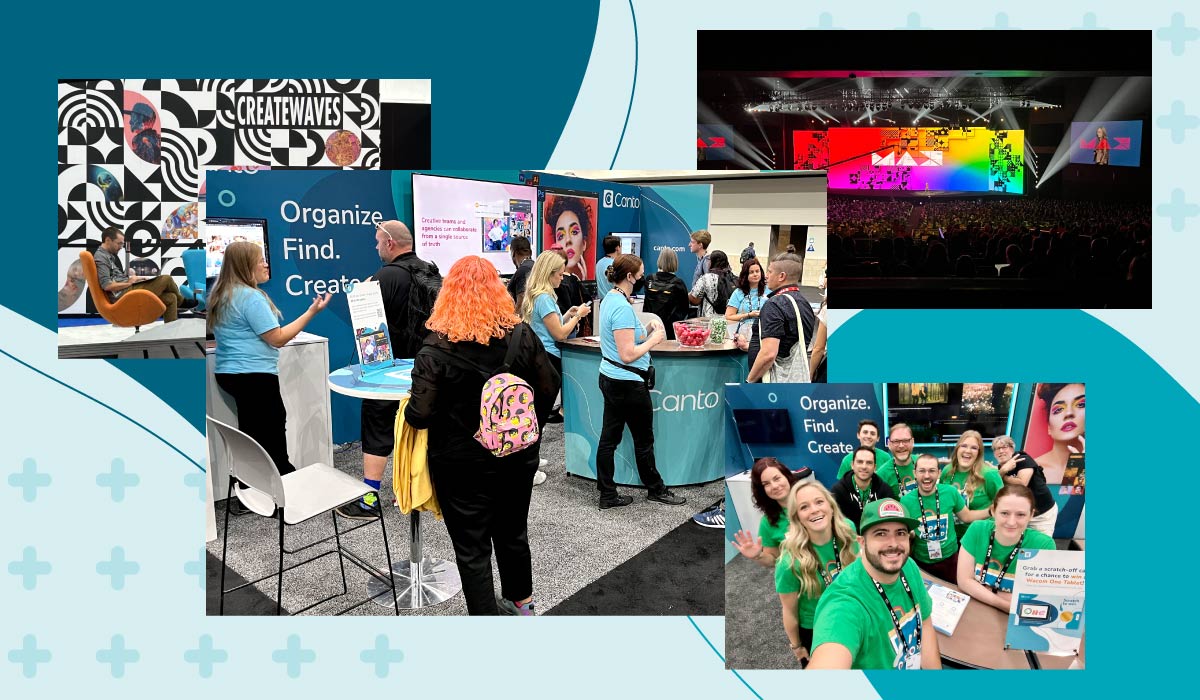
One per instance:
(132,154)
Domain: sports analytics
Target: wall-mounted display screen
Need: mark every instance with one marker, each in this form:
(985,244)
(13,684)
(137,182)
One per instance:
(939,413)
(219,232)
(456,217)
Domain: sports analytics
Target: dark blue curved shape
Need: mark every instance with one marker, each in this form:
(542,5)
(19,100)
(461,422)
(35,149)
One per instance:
(101,403)
(632,90)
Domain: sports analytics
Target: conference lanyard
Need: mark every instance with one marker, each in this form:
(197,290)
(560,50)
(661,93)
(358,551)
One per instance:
(789,288)
(896,620)
(857,496)
(1007,562)
(837,560)
(937,514)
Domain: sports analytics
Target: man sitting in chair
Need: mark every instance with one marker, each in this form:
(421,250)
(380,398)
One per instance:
(115,281)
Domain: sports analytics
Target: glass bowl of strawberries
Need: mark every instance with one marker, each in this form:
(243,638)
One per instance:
(692,333)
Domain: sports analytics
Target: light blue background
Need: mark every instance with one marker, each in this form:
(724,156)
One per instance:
(577,67)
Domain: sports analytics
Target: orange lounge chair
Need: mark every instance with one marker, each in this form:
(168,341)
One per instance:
(136,307)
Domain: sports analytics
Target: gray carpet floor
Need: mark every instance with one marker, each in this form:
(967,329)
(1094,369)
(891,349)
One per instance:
(754,636)
(573,542)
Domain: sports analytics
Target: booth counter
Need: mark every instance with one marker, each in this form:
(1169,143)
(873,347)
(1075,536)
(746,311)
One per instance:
(689,411)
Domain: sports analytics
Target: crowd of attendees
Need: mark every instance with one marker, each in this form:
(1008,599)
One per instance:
(1099,243)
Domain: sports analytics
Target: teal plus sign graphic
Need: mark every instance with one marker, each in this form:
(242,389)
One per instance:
(116,480)
(382,656)
(1178,33)
(29,656)
(1089,21)
(1178,122)
(293,656)
(1001,22)
(195,568)
(913,22)
(29,480)
(117,568)
(117,656)
(198,481)
(28,568)
(1178,211)
(205,656)
(825,21)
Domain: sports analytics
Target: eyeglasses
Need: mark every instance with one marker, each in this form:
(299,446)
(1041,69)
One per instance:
(899,441)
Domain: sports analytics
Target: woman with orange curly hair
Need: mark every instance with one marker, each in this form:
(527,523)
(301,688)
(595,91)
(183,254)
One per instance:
(484,498)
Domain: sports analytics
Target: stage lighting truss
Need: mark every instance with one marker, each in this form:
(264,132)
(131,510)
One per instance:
(920,100)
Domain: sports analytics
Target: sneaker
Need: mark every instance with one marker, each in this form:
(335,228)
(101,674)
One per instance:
(615,502)
(507,607)
(665,496)
(713,517)
(236,507)
(358,510)
(539,478)
(542,463)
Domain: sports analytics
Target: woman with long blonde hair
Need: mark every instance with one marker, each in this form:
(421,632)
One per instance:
(976,479)
(484,498)
(539,305)
(820,542)
(246,325)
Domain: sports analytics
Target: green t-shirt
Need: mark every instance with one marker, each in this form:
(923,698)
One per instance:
(772,535)
(984,495)
(882,459)
(935,526)
(786,580)
(907,482)
(852,613)
(976,543)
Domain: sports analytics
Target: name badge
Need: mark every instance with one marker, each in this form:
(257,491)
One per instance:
(935,549)
(912,662)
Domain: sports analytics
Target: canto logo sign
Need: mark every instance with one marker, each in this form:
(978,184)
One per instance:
(678,403)
(621,201)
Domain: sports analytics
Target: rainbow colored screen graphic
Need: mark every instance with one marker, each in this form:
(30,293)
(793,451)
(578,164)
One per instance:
(926,159)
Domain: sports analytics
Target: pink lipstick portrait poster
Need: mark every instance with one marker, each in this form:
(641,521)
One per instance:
(569,223)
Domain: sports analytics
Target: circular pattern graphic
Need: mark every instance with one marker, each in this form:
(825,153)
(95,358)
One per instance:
(342,147)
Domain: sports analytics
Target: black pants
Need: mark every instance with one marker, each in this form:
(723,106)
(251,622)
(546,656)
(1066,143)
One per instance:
(486,506)
(261,414)
(626,403)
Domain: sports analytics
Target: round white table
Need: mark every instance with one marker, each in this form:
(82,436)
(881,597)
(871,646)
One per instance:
(421,580)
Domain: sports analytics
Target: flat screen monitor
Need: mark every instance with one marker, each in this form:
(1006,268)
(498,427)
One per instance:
(939,413)
(764,426)
(219,232)
(455,217)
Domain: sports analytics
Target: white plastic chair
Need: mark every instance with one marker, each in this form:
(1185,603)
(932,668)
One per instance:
(292,498)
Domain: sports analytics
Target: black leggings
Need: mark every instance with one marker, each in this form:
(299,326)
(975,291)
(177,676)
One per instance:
(261,414)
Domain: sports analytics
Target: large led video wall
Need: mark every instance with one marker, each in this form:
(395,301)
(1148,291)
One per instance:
(810,150)
(1124,141)
(926,159)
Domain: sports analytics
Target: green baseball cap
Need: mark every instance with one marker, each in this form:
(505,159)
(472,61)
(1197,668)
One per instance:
(886,510)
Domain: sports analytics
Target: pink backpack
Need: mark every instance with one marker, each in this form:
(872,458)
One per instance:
(507,421)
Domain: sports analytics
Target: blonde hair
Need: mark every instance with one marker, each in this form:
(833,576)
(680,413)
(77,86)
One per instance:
(975,476)
(798,544)
(239,269)
(704,238)
(548,263)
